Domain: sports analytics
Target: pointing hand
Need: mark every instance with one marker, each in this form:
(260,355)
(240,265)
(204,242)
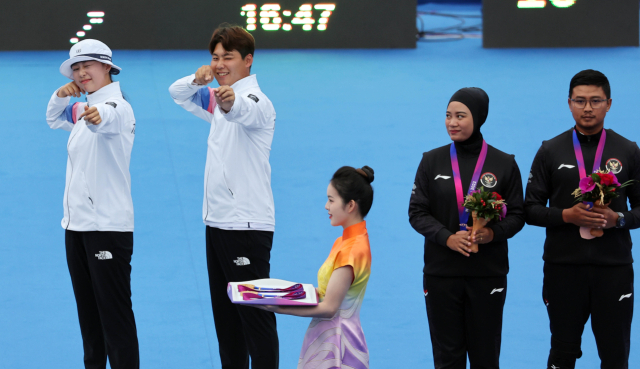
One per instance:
(204,75)
(225,96)
(91,115)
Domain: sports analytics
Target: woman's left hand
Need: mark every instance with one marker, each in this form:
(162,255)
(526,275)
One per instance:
(482,236)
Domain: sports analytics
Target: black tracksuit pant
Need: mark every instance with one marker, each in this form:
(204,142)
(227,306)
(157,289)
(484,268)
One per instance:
(465,317)
(572,293)
(100,268)
(243,331)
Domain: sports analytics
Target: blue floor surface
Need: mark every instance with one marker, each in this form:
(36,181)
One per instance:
(381,108)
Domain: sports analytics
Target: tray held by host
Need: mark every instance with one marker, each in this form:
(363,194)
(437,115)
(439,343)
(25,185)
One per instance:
(271,291)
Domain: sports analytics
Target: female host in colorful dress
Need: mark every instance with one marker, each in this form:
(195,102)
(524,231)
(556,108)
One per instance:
(98,211)
(335,338)
(465,291)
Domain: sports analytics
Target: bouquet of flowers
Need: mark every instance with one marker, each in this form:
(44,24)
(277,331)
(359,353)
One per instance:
(484,206)
(598,189)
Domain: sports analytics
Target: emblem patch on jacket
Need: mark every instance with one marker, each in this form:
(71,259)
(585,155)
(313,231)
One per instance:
(253,97)
(488,180)
(614,165)
(112,104)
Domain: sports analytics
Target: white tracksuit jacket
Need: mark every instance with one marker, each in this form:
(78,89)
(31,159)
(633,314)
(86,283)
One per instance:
(97,195)
(237,185)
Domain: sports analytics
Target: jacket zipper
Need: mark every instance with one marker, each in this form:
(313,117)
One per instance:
(206,193)
(70,179)
(224,176)
(86,186)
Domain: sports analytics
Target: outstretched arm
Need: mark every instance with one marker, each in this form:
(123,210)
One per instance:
(248,110)
(106,118)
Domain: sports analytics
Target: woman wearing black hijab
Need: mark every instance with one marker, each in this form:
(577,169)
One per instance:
(465,291)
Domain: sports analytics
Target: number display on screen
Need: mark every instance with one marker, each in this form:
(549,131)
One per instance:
(271,17)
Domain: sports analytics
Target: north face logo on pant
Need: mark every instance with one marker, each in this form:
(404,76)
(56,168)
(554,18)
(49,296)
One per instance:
(242,261)
(104,255)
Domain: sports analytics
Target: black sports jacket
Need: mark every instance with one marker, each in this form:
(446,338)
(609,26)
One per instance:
(433,211)
(554,176)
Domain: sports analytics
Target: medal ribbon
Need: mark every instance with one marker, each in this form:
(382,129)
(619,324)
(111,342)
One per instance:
(580,158)
(462,213)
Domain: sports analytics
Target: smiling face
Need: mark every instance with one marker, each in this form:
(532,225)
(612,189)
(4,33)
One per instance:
(459,121)
(339,213)
(228,66)
(589,120)
(91,75)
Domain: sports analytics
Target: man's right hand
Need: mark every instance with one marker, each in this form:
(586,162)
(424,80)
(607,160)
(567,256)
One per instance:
(460,242)
(70,89)
(204,75)
(582,217)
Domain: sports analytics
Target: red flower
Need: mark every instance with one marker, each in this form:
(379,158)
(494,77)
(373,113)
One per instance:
(606,179)
(496,196)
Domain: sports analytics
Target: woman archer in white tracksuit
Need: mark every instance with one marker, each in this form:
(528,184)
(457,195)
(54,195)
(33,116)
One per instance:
(98,210)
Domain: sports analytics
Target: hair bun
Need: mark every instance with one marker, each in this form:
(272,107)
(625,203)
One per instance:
(368,173)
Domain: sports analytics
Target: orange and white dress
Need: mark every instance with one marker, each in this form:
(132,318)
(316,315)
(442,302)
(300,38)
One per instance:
(339,342)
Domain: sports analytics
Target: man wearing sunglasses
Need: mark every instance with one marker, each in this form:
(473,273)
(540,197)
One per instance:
(586,277)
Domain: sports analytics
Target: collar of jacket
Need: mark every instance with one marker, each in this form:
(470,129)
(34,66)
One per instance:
(245,83)
(471,147)
(354,230)
(109,91)
(589,139)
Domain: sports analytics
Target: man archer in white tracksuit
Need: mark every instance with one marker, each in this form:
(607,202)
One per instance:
(238,205)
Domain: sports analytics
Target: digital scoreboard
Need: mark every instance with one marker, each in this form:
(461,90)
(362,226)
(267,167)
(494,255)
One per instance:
(560,23)
(170,24)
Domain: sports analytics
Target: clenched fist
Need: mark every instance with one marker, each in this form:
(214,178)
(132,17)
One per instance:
(91,115)
(204,75)
(70,89)
(225,97)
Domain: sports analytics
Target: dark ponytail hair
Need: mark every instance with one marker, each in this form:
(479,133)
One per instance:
(355,184)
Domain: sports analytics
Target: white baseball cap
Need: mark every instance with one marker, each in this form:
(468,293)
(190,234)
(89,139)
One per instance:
(88,50)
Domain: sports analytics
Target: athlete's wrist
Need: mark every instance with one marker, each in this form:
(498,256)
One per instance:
(564,216)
